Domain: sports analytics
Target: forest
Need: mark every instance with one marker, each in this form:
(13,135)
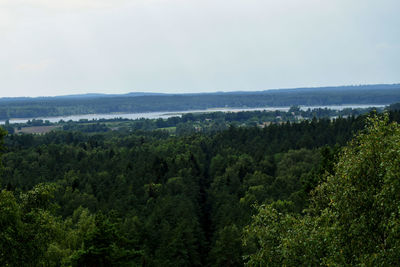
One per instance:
(314,192)
(134,103)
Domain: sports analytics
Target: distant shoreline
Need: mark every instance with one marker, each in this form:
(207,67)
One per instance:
(168,114)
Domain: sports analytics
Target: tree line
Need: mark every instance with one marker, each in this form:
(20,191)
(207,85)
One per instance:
(63,106)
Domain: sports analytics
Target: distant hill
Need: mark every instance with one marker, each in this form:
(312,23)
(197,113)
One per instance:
(76,96)
(379,94)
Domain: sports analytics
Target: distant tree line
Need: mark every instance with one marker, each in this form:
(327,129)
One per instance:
(62,106)
(206,122)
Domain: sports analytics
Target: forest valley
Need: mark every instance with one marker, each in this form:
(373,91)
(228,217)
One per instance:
(315,192)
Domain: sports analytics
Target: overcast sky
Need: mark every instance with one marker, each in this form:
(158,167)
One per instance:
(58,47)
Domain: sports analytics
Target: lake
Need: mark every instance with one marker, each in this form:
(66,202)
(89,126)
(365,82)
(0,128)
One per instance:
(166,115)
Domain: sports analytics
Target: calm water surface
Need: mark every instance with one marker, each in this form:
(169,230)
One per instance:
(166,115)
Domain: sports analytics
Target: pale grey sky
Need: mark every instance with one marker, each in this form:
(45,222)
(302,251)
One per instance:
(58,47)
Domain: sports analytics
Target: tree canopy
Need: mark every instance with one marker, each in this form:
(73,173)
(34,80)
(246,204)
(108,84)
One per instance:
(284,194)
(354,214)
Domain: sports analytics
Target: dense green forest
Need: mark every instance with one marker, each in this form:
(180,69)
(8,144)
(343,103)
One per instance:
(315,192)
(89,104)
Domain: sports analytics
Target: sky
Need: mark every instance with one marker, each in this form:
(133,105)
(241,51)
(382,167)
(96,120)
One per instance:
(59,47)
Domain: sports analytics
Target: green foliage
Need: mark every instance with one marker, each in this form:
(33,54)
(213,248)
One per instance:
(227,250)
(27,227)
(103,246)
(354,216)
(362,197)
(151,199)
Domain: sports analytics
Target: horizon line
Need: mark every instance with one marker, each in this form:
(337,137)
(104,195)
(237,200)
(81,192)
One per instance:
(144,93)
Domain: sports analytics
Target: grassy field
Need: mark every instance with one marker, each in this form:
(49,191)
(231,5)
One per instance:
(37,129)
(169,129)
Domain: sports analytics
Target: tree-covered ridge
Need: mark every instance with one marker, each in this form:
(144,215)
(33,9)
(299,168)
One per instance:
(153,199)
(62,106)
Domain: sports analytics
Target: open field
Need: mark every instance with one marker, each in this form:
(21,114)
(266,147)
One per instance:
(37,129)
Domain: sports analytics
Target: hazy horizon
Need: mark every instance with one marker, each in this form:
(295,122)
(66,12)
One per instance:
(200,92)
(66,47)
